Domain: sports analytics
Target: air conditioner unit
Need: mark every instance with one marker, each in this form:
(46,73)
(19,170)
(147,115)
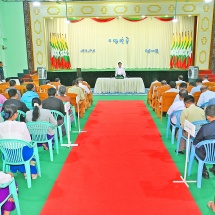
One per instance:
(193,72)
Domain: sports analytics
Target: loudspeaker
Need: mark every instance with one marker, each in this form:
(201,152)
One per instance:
(193,73)
(78,72)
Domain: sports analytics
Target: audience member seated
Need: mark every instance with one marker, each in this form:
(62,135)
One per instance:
(13,86)
(198,86)
(77,90)
(205,96)
(163,83)
(155,80)
(81,85)
(2,100)
(48,82)
(9,205)
(211,102)
(22,82)
(178,105)
(182,86)
(180,79)
(172,84)
(38,114)
(58,80)
(62,94)
(192,113)
(205,79)
(11,129)
(206,132)
(14,100)
(53,103)
(29,95)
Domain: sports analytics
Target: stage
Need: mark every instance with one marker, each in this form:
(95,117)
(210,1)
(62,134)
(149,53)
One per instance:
(90,75)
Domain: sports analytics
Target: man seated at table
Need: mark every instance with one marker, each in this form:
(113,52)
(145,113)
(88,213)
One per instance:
(206,132)
(198,86)
(182,86)
(120,71)
(205,96)
(77,90)
(192,113)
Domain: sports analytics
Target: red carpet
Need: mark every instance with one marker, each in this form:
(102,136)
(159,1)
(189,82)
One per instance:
(120,167)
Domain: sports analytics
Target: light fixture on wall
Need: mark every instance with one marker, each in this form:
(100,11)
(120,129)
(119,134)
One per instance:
(175,17)
(36,4)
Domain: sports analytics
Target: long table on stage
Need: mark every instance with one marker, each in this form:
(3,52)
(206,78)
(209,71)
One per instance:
(113,85)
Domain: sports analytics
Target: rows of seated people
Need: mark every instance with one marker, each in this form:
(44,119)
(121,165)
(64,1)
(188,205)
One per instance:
(194,103)
(36,108)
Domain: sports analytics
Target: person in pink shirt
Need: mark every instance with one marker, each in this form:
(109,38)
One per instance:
(2,100)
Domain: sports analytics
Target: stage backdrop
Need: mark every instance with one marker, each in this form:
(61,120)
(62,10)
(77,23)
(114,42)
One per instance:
(142,44)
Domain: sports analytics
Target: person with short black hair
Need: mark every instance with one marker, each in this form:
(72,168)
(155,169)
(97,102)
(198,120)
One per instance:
(29,95)
(11,129)
(13,86)
(192,113)
(198,86)
(38,114)
(206,132)
(182,86)
(53,103)
(14,100)
(205,96)
(22,82)
(163,83)
(172,84)
(48,82)
(120,71)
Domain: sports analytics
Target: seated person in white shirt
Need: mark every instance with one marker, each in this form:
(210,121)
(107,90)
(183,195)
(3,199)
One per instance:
(81,85)
(172,84)
(180,79)
(205,96)
(182,86)
(120,71)
(205,79)
(198,86)
(178,105)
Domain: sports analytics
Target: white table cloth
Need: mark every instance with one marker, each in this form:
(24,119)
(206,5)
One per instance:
(112,85)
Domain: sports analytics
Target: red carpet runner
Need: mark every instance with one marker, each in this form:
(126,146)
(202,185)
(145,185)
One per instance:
(120,167)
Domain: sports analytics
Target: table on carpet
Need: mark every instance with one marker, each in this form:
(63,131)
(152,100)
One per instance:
(113,85)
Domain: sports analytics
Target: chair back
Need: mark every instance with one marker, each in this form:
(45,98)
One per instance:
(43,88)
(20,114)
(209,84)
(21,88)
(199,124)
(156,84)
(167,100)
(12,150)
(209,146)
(177,114)
(196,96)
(42,96)
(39,131)
(3,88)
(212,88)
(189,88)
(72,97)
(58,115)
(56,84)
(161,90)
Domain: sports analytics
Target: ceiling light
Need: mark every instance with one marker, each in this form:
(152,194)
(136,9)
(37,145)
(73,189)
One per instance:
(36,4)
(143,16)
(189,15)
(175,19)
(207,1)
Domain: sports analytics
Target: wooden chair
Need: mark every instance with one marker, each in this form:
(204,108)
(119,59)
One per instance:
(21,88)
(43,88)
(150,92)
(209,84)
(196,96)
(3,88)
(42,96)
(212,88)
(27,82)
(82,104)
(5,83)
(90,95)
(35,78)
(167,100)
(189,88)
(160,92)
